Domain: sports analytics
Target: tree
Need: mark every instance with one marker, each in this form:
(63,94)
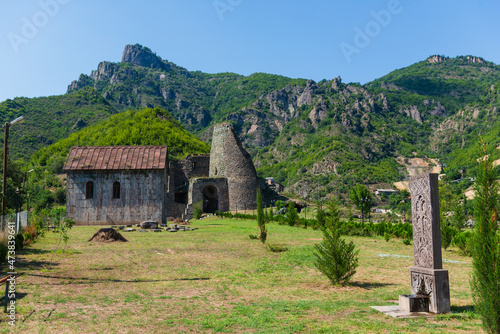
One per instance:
(320,216)
(485,282)
(293,215)
(361,197)
(458,219)
(334,257)
(261,220)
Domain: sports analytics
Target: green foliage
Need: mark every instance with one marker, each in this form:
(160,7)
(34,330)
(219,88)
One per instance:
(292,215)
(387,236)
(361,197)
(276,248)
(197,209)
(458,219)
(19,241)
(447,234)
(135,127)
(261,220)
(320,216)
(463,240)
(279,204)
(334,257)
(485,281)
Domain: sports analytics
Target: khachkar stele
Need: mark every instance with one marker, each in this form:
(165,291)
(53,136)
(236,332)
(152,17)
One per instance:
(428,278)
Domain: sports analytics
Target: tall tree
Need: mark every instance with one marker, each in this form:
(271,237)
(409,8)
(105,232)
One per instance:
(361,197)
(485,281)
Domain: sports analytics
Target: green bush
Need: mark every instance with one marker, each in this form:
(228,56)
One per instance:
(276,248)
(334,257)
(197,210)
(463,241)
(19,241)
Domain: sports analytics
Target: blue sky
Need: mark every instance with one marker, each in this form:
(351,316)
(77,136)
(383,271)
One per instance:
(47,43)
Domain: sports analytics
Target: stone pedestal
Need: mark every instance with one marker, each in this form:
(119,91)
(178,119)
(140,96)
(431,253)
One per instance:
(413,303)
(433,283)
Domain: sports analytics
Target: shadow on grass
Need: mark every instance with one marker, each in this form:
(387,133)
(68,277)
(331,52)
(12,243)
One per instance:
(22,265)
(463,309)
(370,285)
(86,280)
(35,251)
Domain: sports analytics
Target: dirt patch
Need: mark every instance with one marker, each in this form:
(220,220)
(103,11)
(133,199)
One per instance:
(180,221)
(107,234)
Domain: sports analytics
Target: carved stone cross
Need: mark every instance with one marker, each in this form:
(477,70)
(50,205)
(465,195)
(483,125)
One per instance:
(427,276)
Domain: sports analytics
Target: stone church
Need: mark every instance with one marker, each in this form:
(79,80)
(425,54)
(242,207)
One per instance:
(129,184)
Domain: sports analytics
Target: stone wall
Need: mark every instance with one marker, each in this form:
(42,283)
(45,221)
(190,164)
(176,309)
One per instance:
(142,197)
(229,159)
(178,182)
(197,187)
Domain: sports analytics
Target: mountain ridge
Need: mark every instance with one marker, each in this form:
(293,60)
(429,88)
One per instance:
(283,122)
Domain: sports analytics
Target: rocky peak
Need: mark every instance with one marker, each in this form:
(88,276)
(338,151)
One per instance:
(105,70)
(474,60)
(436,59)
(336,83)
(143,56)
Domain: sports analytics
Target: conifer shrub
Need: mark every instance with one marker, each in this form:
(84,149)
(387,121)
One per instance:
(334,257)
(293,215)
(261,219)
(485,279)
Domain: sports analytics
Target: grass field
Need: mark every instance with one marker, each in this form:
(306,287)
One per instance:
(217,280)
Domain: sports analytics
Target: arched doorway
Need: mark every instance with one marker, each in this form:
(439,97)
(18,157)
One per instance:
(210,199)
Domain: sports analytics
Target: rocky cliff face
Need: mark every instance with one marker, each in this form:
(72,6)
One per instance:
(142,56)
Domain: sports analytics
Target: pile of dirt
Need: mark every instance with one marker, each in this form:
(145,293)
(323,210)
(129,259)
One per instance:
(180,221)
(107,234)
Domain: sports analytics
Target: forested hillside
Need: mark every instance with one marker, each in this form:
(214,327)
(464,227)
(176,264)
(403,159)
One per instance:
(134,127)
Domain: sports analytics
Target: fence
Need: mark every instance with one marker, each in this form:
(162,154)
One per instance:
(19,221)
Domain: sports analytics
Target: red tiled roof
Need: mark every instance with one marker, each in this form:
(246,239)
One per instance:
(116,157)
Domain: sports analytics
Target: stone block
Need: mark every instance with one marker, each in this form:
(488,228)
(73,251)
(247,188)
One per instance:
(413,303)
(433,283)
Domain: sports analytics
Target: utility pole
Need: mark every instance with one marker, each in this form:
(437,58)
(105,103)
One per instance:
(5,146)
(4,184)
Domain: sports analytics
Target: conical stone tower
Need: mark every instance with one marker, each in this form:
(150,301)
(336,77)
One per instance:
(229,159)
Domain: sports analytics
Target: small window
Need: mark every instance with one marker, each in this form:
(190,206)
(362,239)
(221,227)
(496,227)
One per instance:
(116,190)
(89,190)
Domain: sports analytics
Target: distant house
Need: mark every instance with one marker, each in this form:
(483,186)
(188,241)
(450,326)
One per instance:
(387,192)
(274,185)
(116,184)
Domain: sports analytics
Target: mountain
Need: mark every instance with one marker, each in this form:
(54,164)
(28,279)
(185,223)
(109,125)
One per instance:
(323,135)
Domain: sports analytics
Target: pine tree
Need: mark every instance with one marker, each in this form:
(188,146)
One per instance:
(334,257)
(485,281)
(261,220)
(320,216)
(293,215)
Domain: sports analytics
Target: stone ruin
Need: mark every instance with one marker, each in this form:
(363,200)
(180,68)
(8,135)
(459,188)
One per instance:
(430,290)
